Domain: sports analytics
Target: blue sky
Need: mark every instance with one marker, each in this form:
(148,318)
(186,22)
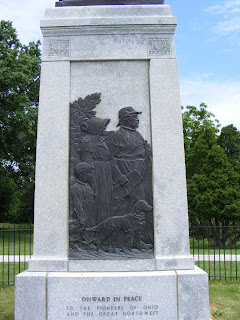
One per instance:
(208,51)
(207,42)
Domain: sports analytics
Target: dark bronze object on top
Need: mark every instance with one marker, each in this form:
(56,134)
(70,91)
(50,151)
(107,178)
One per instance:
(111,213)
(63,3)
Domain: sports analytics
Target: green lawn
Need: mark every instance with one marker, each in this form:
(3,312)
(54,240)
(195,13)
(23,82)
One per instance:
(9,270)
(212,251)
(224,300)
(221,270)
(16,240)
(7,303)
(203,246)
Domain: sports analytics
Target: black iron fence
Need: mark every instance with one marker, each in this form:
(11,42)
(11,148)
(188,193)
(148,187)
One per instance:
(216,250)
(16,248)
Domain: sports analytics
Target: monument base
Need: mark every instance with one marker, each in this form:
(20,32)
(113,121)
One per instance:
(159,295)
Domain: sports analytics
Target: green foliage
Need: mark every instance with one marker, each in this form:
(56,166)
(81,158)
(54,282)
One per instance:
(217,313)
(212,163)
(195,121)
(229,140)
(196,156)
(19,87)
(214,193)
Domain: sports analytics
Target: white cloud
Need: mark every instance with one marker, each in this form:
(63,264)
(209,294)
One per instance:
(225,7)
(222,97)
(229,12)
(228,26)
(26,16)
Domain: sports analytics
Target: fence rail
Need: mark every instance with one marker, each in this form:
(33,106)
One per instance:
(16,246)
(216,250)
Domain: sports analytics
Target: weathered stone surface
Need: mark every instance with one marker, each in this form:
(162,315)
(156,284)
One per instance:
(108,33)
(157,295)
(193,301)
(170,201)
(112,265)
(30,296)
(132,295)
(51,193)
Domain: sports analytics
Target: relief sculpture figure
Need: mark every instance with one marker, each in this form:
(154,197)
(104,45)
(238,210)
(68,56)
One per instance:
(93,149)
(82,199)
(110,185)
(132,156)
(128,227)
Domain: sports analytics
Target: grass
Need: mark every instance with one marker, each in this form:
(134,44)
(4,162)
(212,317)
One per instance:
(221,270)
(9,270)
(224,301)
(212,251)
(204,247)
(7,303)
(16,240)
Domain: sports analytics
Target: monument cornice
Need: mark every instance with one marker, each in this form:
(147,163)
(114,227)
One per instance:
(150,29)
(110,20)
(110,12)
(107,30)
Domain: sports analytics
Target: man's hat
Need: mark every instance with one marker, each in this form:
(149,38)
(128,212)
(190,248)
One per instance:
(125,112)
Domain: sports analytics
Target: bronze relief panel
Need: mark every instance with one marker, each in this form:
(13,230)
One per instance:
(111,202)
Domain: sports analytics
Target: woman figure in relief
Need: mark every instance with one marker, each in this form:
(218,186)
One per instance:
(94,149)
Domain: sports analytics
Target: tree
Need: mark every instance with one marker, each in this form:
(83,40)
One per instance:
(19,88)
(213,168)
(229,140)
(214,196)
(215,191)
(197,154)
(195,121)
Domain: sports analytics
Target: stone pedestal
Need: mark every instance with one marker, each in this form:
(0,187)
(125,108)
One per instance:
(128,54)
(165,295)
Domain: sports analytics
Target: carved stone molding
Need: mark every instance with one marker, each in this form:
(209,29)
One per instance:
(158,47)
(59,48)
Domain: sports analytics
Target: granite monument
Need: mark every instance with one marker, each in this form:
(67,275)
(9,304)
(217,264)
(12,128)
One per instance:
(111,237)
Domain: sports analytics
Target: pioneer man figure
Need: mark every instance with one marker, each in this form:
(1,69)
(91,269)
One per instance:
(130,153)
